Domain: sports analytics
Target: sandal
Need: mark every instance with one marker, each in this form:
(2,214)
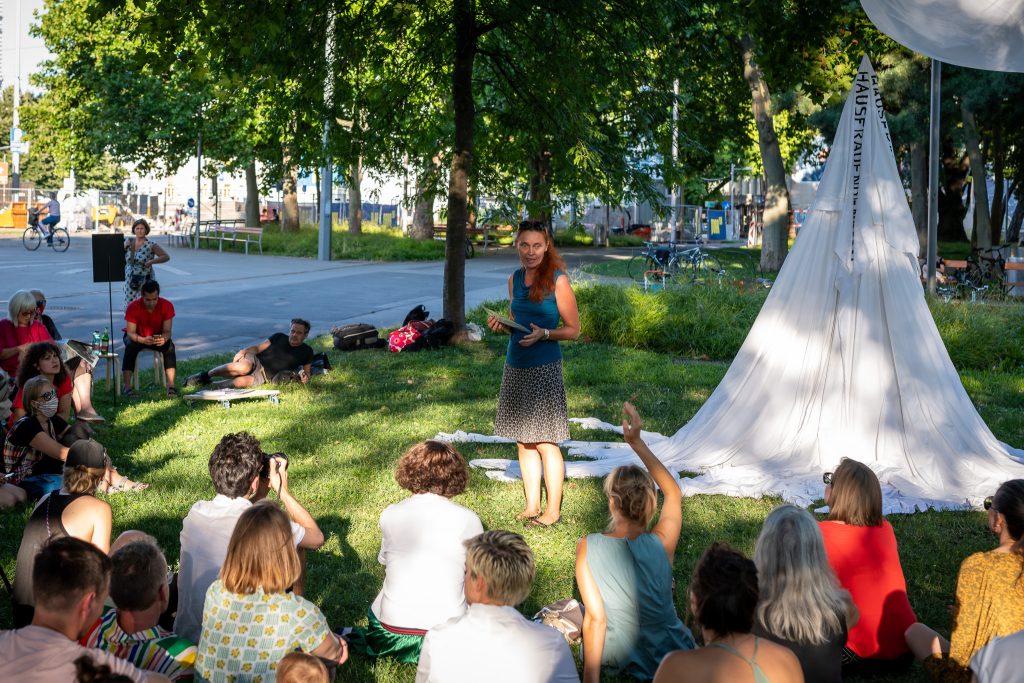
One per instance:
(172,392)
(127,392)
(90,417)
(535,522)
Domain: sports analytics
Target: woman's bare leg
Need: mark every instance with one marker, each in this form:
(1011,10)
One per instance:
(11,496)
(924,642)
(81,394)
(530,467)
(554,476)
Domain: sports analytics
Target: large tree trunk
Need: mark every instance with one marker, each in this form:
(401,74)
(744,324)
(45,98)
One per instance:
(426,191)
(951,203)
(919,193)
(998,198)
(290,210)
(982,225)
(540,187)
(355,197)
(252,195)
(774,243)
(462,163)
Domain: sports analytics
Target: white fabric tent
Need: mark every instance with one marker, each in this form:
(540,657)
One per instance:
(980,34)
(844,359)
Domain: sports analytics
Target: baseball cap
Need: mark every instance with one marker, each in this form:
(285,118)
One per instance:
(87,453)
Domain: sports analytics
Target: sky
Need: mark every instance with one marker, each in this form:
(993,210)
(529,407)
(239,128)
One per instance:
(33,51)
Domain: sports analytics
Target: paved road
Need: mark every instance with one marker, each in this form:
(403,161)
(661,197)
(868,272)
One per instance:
(227,301)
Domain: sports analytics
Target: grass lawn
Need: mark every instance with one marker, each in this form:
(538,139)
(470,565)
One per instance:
(376,243)
(344,433)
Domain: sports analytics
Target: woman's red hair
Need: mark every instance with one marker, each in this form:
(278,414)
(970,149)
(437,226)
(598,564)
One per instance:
(544,282)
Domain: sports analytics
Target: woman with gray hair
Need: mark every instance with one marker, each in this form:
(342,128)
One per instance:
(19,331)
(801,604)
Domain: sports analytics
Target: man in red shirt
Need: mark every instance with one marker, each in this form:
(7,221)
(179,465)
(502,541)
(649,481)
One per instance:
(149,327)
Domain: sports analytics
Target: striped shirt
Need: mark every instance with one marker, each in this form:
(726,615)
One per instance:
(154,649)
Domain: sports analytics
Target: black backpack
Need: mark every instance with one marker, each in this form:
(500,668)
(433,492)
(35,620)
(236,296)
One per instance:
(356,336)
(419,313)
(438,334)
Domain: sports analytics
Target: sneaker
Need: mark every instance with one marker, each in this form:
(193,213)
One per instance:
(172,392)
(127,392)
(198,379)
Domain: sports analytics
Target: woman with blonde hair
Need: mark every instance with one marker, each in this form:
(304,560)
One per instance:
(73,511)
(801,605)
(37,445)
(861,549)
(625,574)
(250,621)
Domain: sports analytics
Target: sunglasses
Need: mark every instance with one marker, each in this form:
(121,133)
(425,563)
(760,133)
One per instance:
(40,303)
(48,396)
(827,478)
(988,503)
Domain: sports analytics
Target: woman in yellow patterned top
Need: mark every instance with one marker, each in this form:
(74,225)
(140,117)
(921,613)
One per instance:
(989,594)
(249,621)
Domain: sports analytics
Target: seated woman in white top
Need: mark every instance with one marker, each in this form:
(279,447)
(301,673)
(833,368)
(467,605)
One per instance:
(423,554)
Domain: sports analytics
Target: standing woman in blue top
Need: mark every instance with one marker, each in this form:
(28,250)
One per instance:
(531,405)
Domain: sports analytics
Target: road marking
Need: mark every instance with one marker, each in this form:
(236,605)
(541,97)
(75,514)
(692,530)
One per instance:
(172,269)
(73,271)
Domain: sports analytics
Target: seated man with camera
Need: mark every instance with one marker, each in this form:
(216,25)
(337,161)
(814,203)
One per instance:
(242,474)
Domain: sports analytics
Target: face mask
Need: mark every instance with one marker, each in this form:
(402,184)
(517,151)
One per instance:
(48,407)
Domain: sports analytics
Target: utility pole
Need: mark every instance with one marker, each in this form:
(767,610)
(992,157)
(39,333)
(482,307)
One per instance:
(674,198)
(16,151)
(933,172)
(323,252)
(199,178)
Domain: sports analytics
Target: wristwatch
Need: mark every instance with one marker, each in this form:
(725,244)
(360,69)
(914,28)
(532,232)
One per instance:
(547,334)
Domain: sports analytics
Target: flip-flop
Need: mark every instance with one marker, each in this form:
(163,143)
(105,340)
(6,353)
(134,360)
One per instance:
(90,418)
(536,523)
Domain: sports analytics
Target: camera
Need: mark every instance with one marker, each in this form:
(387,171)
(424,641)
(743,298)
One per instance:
(265,468)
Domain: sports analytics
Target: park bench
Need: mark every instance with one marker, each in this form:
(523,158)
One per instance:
(486,234)
(231,230)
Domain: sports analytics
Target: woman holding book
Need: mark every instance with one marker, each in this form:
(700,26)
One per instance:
(531,404)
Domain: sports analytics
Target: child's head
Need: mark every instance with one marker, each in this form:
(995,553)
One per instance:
(299,667)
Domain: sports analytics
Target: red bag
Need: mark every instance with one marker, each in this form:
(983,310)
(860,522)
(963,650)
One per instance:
(408,337)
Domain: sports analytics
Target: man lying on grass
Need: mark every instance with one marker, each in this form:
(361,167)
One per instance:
(272,360)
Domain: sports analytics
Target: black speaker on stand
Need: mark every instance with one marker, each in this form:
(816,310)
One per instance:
(108,266)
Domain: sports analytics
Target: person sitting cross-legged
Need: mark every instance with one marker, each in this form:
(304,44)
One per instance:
(421,548)
(250,619)
(723,599)
(138,587)
(242,474)
(492,641)
(255,365)
(149,319)
(70,581)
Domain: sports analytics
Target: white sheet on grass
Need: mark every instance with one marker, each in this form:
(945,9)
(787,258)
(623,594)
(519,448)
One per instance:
(844,359)
(981,34)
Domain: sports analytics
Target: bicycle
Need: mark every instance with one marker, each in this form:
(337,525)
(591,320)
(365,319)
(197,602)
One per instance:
(669,262)
(59,239)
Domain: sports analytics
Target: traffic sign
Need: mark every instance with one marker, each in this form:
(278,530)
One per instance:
(191,203)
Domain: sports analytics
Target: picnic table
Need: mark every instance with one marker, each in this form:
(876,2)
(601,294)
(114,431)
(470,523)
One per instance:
(231,230)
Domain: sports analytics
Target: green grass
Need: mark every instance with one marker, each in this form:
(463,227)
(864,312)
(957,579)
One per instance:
(345,431)
(376,243)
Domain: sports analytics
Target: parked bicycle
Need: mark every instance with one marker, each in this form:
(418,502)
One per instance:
(58,239)
(670,262)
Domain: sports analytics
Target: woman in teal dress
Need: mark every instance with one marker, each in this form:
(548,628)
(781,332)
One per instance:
(625,574)
(531,404)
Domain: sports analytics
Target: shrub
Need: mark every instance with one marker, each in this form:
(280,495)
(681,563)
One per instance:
(625,241)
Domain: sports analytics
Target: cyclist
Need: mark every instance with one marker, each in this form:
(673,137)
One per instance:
(52,211)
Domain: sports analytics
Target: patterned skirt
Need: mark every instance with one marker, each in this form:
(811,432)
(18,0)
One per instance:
(531,405)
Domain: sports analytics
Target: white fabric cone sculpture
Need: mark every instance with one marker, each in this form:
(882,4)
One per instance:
(844,360)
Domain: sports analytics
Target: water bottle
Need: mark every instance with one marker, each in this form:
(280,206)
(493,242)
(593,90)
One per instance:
(96,341)
(105,341)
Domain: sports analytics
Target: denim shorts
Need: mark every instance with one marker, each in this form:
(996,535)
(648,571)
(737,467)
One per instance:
(38,485)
